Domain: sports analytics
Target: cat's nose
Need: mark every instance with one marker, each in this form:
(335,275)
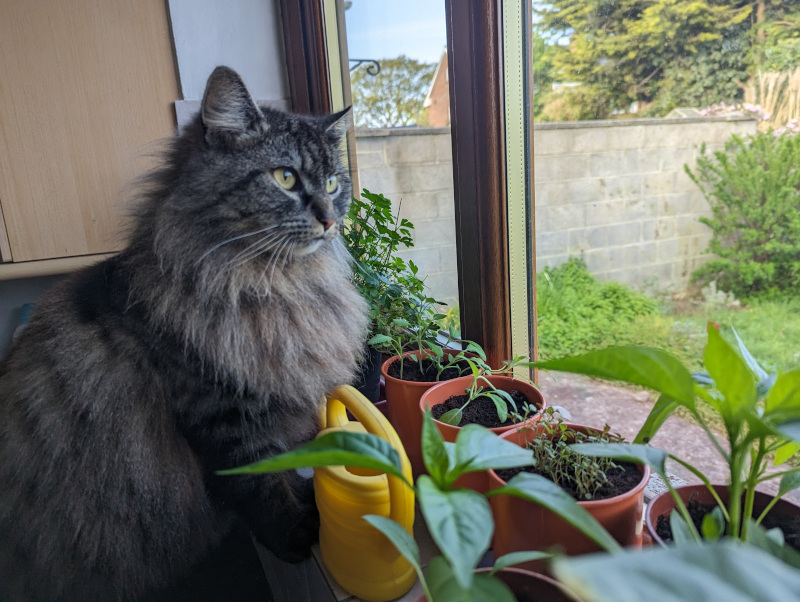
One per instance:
(327,223)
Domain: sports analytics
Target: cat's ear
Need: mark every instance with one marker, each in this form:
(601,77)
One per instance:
(336,125)
(229,113)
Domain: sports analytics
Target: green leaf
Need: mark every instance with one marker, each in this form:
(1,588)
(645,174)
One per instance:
(399,537)
(478,448)
(476,349)
(789,482)
(713,525)
(790,430)
(731,375)
(337,448)
(446,588)
(783,400)
(662,409)
(772,541)
(632,364)
(784,452)
(460,522)
(627,452)
(513,558)
(724,570)
(379,339)
(434,454)
(681,532)
(542,491)
(451,417)
(751,362)
(500,406)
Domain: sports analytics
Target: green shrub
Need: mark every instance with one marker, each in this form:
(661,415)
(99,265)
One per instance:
(753,188)
(577,313)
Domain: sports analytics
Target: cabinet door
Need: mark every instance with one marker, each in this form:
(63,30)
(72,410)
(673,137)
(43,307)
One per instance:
(86,87)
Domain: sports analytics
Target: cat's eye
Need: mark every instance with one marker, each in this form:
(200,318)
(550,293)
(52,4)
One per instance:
(332,185)
(287,178)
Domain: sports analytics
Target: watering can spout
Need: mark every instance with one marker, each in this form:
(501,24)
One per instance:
(358,556)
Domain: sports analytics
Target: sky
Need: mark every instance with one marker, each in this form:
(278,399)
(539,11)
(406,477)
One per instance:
(379,29)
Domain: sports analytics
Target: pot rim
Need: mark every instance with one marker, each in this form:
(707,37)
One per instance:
(651,520)
(497,430)
(411,383)
(634,491)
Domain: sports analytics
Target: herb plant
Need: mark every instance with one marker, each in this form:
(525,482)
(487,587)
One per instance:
(373,235)
(554,458)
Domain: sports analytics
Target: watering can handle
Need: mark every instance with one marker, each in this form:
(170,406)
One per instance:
(345,398)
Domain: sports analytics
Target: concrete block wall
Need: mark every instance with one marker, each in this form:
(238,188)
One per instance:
(614,192)
(414,168)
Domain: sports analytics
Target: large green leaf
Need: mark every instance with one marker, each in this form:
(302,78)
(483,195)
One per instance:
(513,558)
(636,365)
(790,430)
(542,491)
(478,448)
(731,375)
(783,400)
(662,409)
(723,570)
(460,522)
(446,588)
(337,448)
(626,452)
(399,537)
(434,454)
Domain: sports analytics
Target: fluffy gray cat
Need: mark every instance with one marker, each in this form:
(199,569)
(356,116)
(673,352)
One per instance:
(207,343)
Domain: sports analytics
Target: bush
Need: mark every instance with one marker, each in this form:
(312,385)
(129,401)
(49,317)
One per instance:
(753,188)
(577,313)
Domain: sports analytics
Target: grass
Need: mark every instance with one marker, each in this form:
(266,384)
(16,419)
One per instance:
(577,313)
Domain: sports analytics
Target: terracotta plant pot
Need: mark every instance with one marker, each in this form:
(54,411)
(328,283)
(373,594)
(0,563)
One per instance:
(521,525)
(402,405)
(663,505)
(528,586)
(438,394)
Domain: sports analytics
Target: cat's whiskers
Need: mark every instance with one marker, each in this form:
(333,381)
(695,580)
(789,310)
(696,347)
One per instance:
(273,262)
(255,249)
(234,238)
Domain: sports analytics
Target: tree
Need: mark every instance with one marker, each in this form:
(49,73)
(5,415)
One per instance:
(394,97)
(667,53)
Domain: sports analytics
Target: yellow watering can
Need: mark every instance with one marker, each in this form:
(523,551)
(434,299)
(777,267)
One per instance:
(358,556)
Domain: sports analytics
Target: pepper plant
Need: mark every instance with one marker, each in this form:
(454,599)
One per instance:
(459,520)
(760,414)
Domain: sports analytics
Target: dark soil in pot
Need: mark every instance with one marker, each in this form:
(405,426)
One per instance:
(412,371)
(789,525)
(621,480)
(480,410)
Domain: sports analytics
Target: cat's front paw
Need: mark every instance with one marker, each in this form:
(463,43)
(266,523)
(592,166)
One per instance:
(293,542)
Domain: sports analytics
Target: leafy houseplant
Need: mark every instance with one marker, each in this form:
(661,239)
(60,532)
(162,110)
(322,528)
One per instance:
(373,235)
(760,414)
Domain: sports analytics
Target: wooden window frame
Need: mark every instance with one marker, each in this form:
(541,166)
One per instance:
(474,47)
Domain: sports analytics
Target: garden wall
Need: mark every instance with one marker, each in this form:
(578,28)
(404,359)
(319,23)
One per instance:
(614,192)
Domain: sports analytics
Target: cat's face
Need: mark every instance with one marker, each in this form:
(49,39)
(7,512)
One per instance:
(266,187)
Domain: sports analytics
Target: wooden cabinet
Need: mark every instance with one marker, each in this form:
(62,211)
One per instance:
(86,90)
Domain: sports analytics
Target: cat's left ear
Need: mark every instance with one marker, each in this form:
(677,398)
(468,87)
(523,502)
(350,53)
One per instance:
(230,115)
(336,125)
